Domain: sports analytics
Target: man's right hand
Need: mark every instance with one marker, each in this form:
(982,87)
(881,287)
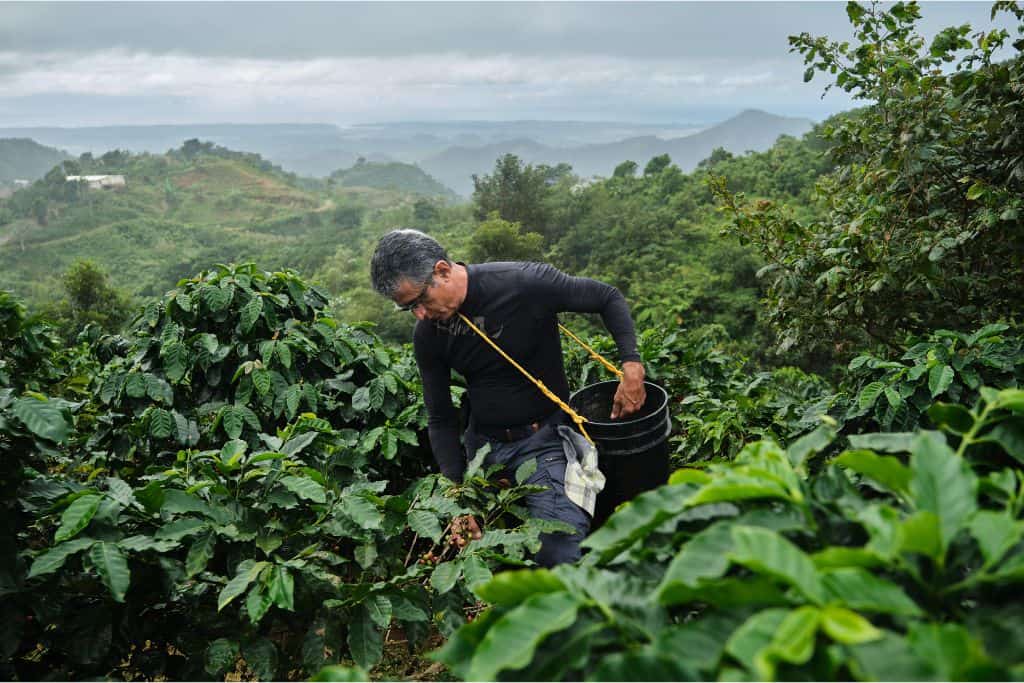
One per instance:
(464,530)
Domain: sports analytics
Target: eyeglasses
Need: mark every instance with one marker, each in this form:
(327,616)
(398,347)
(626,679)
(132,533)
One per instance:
(420,299)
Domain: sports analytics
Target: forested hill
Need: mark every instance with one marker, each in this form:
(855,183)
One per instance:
(21,158)
(180,211)
(391,176)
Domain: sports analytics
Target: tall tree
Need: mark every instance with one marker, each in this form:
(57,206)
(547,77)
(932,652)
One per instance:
(520,193)
(926,203)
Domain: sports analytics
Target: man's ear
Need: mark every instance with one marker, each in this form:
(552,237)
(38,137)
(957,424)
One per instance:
(443,269)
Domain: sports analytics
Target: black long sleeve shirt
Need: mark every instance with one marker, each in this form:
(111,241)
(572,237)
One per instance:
(516,304)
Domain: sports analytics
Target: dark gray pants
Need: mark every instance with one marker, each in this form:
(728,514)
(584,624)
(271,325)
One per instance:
(546,447)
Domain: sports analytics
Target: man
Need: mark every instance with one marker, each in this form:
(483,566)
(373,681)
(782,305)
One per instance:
(516,304)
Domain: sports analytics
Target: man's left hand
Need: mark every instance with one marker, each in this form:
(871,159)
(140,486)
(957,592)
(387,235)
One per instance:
(630,395)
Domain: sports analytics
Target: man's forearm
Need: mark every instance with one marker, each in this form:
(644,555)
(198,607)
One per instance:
(444,442)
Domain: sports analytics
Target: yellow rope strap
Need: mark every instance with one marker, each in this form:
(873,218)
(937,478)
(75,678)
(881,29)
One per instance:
(593,354)
(577,418)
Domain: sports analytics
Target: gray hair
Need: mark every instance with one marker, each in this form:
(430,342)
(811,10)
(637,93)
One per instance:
(404,255)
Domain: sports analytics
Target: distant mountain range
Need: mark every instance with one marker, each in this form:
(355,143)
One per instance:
(450,151)
(750,130)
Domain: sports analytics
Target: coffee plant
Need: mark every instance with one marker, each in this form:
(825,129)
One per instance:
(898,559)
(243,492)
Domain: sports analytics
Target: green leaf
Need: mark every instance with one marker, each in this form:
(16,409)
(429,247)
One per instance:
(250,313)
(885,470)
(151,496)
(199,554)
(975,191)
(768,552)
(735,486)
(54,558)
(119,490)
(220,657)
(292,397)
(869,394)
(834,557)
(365,641)
(44,418)
(476,572)
(140,543)
(296,444)
(893,397)
(756,633)
(180,528)
(161,424)
(476,462)
(951,416)
(847,627)
(380,610)
(939,379)
(1010,399)
(996,533)
(135,385)
(512,639)
(792,642)
(342,674)
(361,399)
(445,575)
(642,665)
(950,648)
(888,442)
(284,354)
(702,639)
(942,483)
(890,658)
(809,444)
(859,589)
(513,587)
(261,656)
(232,452)
(159,390)
(706,555)
(282,588)
(246,573)
(261,381)
(112,567)
(425,524)
(920,533)
(257,603)
(636,518)
(233,421)
(1009,434)
(77,516)
(361,511)
(304,487)
(366,554)
(217,298)
(177,502)
(175,358)
(526,470)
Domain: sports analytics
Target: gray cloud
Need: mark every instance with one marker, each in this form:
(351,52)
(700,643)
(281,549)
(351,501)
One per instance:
(362,61)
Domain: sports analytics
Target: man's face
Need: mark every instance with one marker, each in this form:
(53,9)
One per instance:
(434,301)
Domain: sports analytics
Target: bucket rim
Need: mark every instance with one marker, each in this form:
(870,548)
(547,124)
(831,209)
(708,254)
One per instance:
(632,420)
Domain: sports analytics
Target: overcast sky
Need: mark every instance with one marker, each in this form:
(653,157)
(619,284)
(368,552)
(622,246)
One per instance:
(139,63)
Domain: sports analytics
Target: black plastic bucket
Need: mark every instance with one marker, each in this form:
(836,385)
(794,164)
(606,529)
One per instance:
(632,452)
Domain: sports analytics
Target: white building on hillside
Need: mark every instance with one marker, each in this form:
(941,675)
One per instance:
(99,182)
